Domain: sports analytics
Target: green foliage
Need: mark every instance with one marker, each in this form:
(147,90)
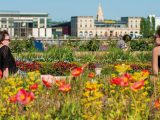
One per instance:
(117,55)
(18,46)
(140,45)
(60,53)
(144,57)
(47,68)
(91,45)
(112,44)
(147,27)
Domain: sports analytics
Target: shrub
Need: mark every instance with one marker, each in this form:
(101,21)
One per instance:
(18,46)
(91,45)
(140,45)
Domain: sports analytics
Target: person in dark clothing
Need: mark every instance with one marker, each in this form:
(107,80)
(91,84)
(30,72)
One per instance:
(7,61)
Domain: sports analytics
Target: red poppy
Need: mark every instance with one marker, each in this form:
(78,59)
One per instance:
(30,96)
(137,85)
(157,104)
(128,75)
(34,86)
(65,87)
(13,99)
(124,81)
(60,82)
(146,71)
(116,81)
(47,84)
(76,71)
(91,75)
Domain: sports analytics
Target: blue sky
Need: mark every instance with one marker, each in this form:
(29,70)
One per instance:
(62,10)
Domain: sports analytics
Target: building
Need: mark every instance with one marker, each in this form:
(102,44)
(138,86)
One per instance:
(82,26)
(86,26)
(24,25)
(61,28)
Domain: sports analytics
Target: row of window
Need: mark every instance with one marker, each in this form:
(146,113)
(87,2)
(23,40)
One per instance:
(86,20)
(90,32)
(86,26)
(136,26)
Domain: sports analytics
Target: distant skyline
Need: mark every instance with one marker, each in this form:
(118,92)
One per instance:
(62,10)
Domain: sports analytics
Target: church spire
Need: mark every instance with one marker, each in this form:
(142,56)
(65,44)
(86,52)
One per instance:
(100,16)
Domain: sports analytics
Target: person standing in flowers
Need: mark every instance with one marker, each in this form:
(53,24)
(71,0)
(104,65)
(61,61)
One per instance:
(122,42)
(156,53)
(7,61)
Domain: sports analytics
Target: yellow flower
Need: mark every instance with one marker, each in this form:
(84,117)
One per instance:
(122,68)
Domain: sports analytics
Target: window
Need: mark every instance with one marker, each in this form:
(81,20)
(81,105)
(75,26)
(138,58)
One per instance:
(49,23)
(41,22)
(4,20)
(35,23)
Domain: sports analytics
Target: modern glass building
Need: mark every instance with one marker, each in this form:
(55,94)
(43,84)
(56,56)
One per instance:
(24,25)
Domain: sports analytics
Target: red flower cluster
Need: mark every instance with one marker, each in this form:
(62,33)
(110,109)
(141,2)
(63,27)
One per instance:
(25,66)
(63,67)
(122,80)
(140,67)
(126,79)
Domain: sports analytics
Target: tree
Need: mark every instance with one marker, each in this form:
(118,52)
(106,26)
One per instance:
(142,25)
(153,26)
(147,26)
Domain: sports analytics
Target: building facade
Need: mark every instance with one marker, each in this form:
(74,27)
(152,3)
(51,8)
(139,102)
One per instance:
(24,25)
(86,26)
(82,26)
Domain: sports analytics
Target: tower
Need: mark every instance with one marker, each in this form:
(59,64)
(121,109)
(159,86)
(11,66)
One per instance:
(100,17)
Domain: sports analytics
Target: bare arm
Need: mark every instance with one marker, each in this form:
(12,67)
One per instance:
(155,60)
(5,73)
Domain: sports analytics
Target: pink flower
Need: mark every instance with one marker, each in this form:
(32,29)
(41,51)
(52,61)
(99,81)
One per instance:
(24,97)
